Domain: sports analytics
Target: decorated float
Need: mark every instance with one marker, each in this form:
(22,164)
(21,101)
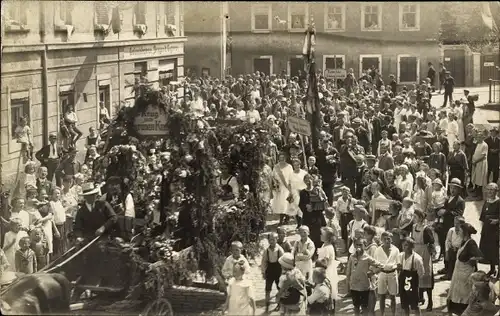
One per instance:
(169,158)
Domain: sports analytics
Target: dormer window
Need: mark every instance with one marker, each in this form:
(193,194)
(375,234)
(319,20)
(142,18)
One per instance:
(16,17)
(139,22)
(63,17)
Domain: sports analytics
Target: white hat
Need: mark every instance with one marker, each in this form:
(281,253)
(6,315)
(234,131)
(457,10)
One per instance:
(89,189)
(287,261)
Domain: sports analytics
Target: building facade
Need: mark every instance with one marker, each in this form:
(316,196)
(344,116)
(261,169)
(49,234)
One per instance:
(398,38)
(80,53)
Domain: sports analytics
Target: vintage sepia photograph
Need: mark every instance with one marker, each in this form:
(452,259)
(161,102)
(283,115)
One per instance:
(250,158)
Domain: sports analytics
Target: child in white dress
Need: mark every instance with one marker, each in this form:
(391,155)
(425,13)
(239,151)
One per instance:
(235,257)
(327,253)
(11,242)
(240,293)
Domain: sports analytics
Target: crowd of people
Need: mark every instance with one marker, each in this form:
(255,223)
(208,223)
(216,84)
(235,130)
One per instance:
(405,167)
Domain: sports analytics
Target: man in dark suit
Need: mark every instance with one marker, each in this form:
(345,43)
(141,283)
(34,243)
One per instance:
(431,74)
(50,156)
(94,218)
(339,131)
(327,157)
(449,85)
(348,164)
(453,207)
(68,166)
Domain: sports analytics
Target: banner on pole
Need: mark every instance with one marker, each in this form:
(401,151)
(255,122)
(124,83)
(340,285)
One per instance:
(299,126)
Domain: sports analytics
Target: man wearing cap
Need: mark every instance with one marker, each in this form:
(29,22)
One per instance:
(49,156)
(69,166)
(448,84)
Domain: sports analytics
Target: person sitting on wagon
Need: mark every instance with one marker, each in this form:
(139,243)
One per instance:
(94,218)
(122,203)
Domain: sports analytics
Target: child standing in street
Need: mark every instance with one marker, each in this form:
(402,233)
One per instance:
(240,293)
(410,267)
(285,244)
(235,257)
(271,269)
(358,276)
(11,242)
(25,257)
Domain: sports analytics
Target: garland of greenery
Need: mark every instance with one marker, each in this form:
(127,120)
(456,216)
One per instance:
(193,218)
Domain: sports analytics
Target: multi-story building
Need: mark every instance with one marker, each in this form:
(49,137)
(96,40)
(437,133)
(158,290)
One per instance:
(80,53)
(398,38)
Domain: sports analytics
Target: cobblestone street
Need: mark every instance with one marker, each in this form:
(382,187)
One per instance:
(471,214)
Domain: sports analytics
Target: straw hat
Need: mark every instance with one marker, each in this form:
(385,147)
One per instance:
(455,182)
(89,189)
(438,181)
(286,261)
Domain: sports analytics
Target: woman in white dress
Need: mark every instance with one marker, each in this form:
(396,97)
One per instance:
(326,254)
(458,111)
(452,129)
(479,175)
(281,184)
(266,181)
(296,185)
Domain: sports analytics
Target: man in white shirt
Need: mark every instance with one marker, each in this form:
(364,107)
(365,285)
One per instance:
(387,254)
(71,120)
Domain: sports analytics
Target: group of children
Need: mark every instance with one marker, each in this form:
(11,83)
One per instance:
(380,265)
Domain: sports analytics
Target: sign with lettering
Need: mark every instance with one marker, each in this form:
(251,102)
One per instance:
(332,74)
(152,122)
(156,50)
(299,126)
(447,59)
(489,64)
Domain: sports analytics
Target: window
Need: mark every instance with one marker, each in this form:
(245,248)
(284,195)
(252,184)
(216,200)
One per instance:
(297,16)
(140,13)
(333,62)
(371,17)
(408,67)
(66,99)
(105,96)
(172,18)
(19,108)
(335,17)
(102,13)
(166,72)
(16,16)
(409,17)
(296,66)
(140,70)
(261,17)
(63,13)
(370,64)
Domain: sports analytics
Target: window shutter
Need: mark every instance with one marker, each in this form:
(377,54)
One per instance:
(170,12)
(101,11)
(140,13)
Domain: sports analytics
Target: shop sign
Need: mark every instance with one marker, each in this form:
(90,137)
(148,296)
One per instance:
(157,50)
(489,64)
(151,122)
(299,126)
(332,74)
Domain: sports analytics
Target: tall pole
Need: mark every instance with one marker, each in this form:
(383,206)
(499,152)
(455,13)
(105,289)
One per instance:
(312,93)
(224,18)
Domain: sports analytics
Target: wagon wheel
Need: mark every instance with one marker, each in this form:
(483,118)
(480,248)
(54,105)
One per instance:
(159,307)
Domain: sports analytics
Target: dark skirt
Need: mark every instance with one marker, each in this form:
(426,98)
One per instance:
(457,308)
(61,243)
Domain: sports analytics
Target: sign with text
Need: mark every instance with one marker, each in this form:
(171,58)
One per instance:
(152,122)
(489,64)
(156,50)
(332,74)
(299,126)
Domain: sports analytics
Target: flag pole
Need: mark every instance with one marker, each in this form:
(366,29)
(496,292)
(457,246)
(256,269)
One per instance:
(312,94)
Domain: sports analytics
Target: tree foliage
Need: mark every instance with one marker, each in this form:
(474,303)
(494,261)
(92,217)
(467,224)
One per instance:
(461,23)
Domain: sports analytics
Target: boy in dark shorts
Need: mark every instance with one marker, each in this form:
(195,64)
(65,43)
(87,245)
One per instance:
(271,269)
(410,268)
